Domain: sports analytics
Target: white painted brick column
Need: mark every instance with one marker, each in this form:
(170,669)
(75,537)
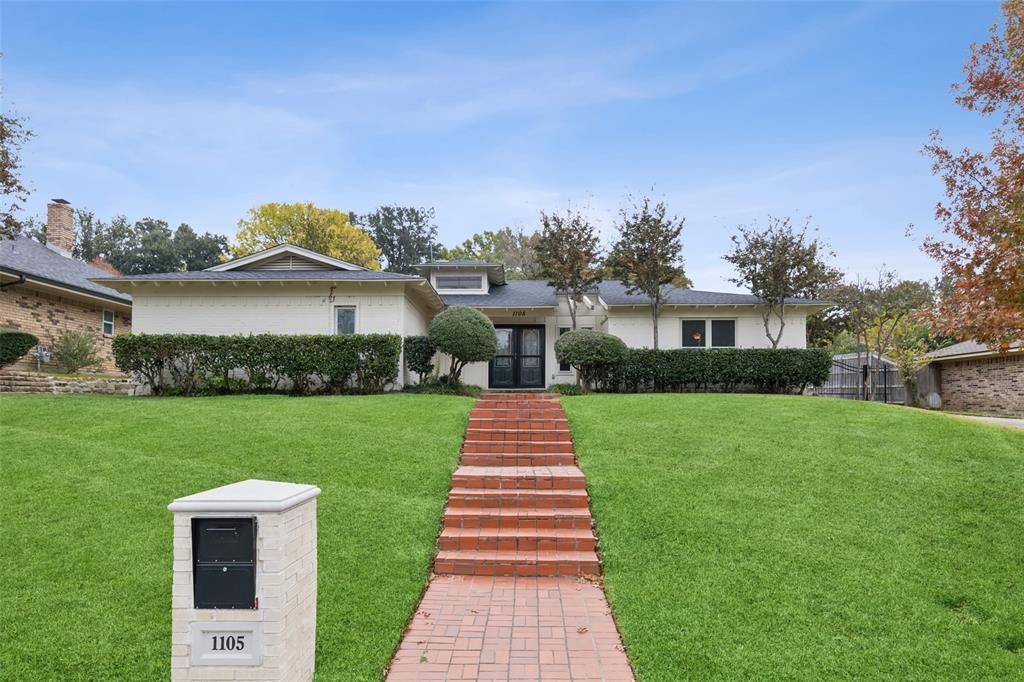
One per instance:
(281,632)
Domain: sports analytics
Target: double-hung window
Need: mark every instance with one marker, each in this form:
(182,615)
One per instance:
(709,333)
(345,320)
(108,323)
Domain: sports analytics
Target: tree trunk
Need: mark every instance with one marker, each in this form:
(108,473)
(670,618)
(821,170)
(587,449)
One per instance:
(654,319)
(572,309)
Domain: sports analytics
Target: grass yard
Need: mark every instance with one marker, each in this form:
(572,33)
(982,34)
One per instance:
(85,571)
(776,537)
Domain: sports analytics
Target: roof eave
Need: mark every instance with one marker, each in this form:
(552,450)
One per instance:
(63,286)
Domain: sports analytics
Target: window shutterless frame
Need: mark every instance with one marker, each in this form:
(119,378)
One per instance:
(708,333)
(459,282)
(107,325)
(345,319)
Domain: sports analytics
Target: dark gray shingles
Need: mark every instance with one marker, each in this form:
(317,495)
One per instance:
(517,293)
(965,348)
(29,257)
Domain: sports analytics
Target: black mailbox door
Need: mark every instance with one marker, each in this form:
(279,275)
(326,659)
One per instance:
(224,563)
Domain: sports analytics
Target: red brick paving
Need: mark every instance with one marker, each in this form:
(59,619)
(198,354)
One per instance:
(507,601)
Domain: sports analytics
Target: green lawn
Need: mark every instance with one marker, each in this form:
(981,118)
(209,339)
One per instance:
(774,537)
(85,566)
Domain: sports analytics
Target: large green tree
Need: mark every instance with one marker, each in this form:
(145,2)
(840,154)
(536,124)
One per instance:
(777,263)
(647,256)
(569,256)
(13,135)
(406,235)
(145,246)
(514,248)
(324,230)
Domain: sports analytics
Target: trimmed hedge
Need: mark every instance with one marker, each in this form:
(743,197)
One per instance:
(197,364)
(464,334)
(14,343)
(764,370)
(419,355)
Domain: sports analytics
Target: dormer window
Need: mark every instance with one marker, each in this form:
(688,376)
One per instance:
(459,282)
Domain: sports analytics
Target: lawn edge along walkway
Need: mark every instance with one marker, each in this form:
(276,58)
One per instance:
(514,594)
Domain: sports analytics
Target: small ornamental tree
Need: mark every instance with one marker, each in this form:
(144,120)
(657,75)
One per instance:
(569,257)
(464,334)
(591,353)
(13,344)
(779,263)
(647,256)
(419,355)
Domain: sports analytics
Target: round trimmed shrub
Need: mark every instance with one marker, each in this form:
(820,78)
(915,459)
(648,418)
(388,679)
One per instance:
(464,334)
(13,344)
(593,354)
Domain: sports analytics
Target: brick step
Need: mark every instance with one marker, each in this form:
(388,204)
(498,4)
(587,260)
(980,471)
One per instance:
(467,562)
(544,447)
(500,459)
(510,539)
(517,436)
(519,478)
(519,424)
(519,519)
(517,405)
(493,498)
(512,413)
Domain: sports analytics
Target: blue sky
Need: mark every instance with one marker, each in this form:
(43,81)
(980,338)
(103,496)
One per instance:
(194,112)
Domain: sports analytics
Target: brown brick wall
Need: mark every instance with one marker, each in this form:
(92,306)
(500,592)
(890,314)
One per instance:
(985,385)
(47,316)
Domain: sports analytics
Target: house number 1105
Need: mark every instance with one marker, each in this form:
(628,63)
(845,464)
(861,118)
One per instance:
(228,642)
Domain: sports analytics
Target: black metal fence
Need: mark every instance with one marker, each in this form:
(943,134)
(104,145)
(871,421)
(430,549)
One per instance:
(863,381)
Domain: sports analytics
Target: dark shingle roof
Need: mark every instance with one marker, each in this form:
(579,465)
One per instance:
(966,348)
(517,293)
(272,275)
(28,257)
(614,293)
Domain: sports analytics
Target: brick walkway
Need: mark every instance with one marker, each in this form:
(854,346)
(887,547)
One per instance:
(510,599)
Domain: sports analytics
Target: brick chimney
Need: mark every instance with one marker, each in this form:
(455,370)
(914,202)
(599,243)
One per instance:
(60,233)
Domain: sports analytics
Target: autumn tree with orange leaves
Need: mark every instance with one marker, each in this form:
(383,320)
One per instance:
(982,256)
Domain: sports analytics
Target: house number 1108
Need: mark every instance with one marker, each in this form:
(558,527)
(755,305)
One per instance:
(228,642)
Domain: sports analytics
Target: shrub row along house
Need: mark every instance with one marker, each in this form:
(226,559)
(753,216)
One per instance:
(291,290)
(46,292)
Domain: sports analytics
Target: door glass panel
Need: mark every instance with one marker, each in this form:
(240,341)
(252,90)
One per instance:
(531,362)
(504,341)
(531,342)
(503,362)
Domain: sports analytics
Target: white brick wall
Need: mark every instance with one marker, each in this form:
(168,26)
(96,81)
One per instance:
(286,575)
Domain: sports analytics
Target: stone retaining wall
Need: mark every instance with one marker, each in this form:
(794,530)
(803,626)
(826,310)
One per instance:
(13,381)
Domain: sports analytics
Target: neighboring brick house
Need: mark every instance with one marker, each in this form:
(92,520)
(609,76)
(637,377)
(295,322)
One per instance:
(970,377)
(44,291)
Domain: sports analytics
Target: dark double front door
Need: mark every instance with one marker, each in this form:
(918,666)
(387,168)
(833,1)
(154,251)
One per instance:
(520,359)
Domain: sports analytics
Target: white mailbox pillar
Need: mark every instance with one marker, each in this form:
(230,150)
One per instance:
(244,593)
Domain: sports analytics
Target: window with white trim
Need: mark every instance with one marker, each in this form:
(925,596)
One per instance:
(108,322)
(459,282)
(345,320)
(696,333)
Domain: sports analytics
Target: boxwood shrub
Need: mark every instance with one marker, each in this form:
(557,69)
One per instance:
(13,344)
(595,355)
(198,364)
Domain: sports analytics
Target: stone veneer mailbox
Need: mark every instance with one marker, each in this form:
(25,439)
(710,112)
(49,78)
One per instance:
(243,600)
